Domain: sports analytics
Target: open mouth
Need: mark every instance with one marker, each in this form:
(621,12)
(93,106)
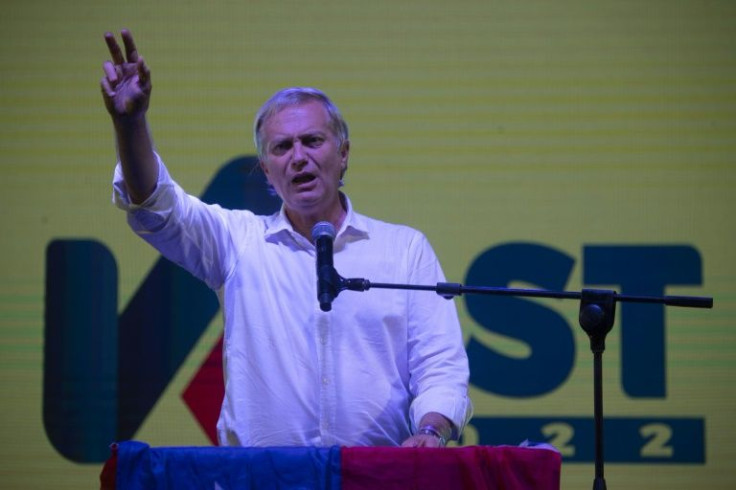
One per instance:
(303,179)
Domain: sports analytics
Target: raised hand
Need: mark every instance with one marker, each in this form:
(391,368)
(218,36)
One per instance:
(126,86)
(126,89)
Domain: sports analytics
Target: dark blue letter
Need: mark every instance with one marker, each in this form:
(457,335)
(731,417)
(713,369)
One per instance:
(546,332)
(644,271)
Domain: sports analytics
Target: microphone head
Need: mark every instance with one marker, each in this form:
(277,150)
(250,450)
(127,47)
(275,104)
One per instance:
(323,228)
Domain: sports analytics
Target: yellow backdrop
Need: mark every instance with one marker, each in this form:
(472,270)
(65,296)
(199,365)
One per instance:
(567,124)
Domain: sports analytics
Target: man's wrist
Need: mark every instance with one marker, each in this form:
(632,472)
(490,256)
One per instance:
(431,430)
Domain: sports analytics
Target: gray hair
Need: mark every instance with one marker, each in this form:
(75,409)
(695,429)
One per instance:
(296,96)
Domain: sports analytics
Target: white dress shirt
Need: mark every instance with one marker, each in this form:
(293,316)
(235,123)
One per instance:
(362,374)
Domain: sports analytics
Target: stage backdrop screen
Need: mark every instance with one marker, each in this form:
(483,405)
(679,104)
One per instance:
(561,145)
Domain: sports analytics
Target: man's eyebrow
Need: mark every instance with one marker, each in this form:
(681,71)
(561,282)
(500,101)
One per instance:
(313,134)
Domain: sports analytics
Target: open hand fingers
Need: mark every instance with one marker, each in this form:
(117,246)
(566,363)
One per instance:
(107,89)
(130,50)
(111,74)
(126,84)
(120,67)
(112,45)
(144,75)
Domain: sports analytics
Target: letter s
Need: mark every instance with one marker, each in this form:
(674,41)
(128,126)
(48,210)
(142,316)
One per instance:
(546,332)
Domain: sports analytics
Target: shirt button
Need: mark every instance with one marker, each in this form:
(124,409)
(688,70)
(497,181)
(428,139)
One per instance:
(325,381)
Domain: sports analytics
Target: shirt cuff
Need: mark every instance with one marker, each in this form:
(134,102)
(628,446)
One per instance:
(153,213)
(458,409)
(121,197)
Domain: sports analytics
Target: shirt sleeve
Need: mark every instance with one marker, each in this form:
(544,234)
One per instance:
(438,362)
(150,215)
(194,235)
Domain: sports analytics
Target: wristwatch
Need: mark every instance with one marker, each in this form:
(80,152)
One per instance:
(431,430)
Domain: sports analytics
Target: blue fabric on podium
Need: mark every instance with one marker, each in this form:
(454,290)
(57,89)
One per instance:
(143,467)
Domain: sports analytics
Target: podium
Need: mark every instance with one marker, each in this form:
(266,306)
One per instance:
(136,465)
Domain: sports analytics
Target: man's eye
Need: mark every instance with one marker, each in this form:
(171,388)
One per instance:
(313,141)
(281,147)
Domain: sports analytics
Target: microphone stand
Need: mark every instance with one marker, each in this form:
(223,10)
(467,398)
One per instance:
(596,317)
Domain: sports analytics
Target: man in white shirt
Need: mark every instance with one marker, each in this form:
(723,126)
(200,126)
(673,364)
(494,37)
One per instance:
(380,368)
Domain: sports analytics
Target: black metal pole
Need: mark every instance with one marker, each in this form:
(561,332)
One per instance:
(599,483)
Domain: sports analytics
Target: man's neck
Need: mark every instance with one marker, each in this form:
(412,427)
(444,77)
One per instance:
(304,222)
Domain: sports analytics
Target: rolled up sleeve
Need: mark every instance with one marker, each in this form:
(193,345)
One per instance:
(437,358)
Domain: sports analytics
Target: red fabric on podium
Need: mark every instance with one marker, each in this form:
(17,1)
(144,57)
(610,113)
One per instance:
(110,470)
(136,465)
(472,468)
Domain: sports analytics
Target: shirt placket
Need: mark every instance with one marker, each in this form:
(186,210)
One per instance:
(326,380)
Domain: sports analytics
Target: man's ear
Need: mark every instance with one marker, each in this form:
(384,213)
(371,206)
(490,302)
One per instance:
(264,167)
(344,154)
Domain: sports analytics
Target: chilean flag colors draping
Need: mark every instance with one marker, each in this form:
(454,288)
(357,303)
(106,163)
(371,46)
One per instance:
(135,465)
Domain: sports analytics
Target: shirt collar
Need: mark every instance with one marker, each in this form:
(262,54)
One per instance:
(354,226)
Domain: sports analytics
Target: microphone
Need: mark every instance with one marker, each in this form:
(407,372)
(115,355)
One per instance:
(323,233)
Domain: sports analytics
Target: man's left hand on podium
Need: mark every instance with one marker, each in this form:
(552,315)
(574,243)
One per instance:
(434,431)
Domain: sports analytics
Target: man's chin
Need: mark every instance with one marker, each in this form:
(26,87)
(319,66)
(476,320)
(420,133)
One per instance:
(304,202)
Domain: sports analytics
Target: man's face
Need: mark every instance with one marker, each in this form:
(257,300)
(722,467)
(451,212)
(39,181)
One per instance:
(303,161)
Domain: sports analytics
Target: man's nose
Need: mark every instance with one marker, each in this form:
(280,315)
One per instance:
(298,155)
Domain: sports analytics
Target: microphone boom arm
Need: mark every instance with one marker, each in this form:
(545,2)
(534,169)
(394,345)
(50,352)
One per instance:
(449,290)
(596,317)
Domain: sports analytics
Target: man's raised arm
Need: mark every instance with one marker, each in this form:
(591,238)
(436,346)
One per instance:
(126,90)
